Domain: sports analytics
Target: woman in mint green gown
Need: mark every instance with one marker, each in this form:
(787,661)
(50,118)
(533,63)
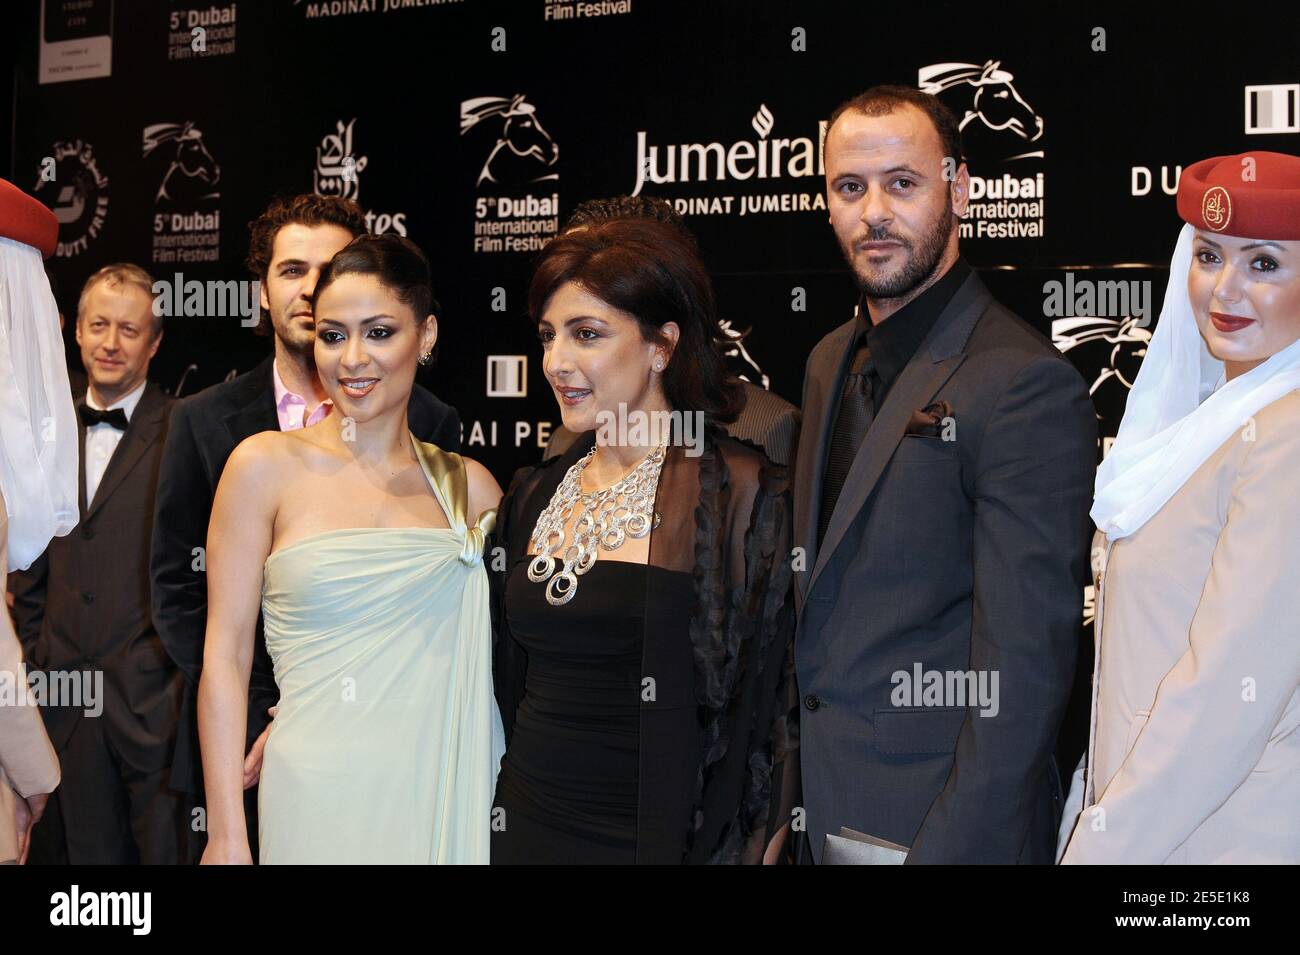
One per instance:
(363,548)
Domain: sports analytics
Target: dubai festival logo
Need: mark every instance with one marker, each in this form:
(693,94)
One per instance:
(997,124)
(192,175)
(986,93)
(186,221)
(523,152)
(519,160)
(1114,347)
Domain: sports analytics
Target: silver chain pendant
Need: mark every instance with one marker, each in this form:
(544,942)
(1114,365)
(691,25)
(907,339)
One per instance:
(606,518)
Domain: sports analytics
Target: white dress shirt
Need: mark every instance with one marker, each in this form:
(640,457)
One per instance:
(102,439)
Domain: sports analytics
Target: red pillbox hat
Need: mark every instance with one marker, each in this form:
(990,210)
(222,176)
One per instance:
(25,220)
(1255,195)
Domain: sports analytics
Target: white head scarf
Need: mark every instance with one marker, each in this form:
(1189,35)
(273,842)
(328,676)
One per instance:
(38,424)
(1180,410)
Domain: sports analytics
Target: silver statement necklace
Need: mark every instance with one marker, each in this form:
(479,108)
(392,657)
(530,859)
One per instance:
(606,518)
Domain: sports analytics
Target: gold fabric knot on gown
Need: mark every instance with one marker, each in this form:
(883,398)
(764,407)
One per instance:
(476,539)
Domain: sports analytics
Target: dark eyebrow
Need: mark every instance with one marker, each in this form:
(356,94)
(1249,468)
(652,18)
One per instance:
(907,169)
(1244,248)
(575,320)
(364,321)
(283,263)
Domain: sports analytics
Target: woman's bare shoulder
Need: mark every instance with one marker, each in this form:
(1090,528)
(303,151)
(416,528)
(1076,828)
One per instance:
(484,492)
(259,452)
(275,449)
(261,462)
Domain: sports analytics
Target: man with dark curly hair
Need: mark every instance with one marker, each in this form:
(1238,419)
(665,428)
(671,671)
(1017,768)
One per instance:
(289,244)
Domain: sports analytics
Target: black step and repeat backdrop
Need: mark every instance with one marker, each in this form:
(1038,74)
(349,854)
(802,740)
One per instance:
(157,129)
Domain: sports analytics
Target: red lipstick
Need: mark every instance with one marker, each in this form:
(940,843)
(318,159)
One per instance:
(1229,323)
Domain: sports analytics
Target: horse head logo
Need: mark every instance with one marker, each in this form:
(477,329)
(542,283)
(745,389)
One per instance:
(524,151)
(193,173)
(994,99)
(1127,340)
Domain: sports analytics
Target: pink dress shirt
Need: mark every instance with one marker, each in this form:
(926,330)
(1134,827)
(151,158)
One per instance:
(290,407)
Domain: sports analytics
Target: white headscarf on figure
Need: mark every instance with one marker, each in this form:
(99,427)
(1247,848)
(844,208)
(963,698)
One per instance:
(1180,410)
(38,424)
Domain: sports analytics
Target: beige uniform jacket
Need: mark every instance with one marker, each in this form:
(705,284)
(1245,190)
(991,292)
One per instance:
(1194,755)
(28,763)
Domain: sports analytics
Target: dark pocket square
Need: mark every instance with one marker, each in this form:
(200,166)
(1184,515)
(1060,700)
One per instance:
(928,422)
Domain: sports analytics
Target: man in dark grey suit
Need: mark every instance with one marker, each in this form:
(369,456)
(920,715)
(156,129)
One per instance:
(942,488)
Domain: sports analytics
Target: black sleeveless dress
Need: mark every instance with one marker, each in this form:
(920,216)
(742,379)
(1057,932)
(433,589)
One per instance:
(568,783)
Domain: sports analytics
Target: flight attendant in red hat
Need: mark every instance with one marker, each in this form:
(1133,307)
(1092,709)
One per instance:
(1194,753)
(38,489)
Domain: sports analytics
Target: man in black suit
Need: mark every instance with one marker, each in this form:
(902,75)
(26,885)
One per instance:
(941,492)
(83,608)
(288,245)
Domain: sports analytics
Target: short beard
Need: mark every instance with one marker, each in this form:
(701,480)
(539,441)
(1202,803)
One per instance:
(303,350)
(921,263)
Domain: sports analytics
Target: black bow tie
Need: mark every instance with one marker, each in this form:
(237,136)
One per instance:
(93,416)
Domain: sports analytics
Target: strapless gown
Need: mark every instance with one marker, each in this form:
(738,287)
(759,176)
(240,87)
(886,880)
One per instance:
(387,741)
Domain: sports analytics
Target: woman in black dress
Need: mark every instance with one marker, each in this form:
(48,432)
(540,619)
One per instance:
(643,654)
